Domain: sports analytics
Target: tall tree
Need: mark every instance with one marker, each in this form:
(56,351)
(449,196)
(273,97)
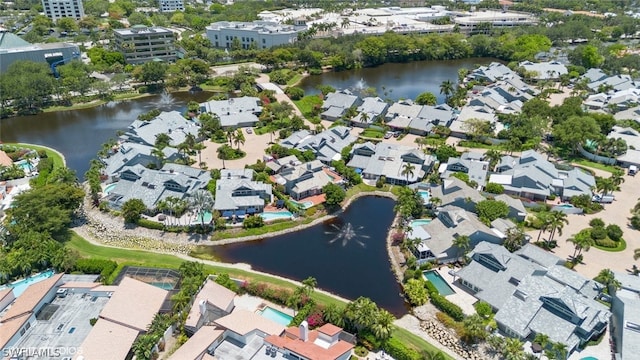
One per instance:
(447,89)
(463,243)
(408,171)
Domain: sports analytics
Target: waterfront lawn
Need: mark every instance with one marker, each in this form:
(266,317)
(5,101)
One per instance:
(295,79)
(416,342)
(307,104)
(58,161)
(152,259)
(268,228)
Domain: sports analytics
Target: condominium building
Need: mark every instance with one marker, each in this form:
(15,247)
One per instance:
(171,5)
(140,44)
(259,34)
(56,9)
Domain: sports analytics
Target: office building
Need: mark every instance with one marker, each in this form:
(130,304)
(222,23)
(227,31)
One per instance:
(57,9)
(258,34)
(140,44)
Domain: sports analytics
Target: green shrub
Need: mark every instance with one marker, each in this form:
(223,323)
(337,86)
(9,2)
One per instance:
(226,281)
(483,309)
(93,321)
(606,242)
(369,340)
(596,223)
(431,289)
(253,222)
(96,266)
(294,92)
(494,188)
(447,307)
(221,223)
(302,314)
(399,351)
(361,351)
(415,292)
(598,233)
(614,232)
(150,224)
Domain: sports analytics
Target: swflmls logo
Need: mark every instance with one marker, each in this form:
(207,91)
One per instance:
(40,352)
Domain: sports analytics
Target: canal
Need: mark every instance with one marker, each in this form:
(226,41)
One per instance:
(347,255)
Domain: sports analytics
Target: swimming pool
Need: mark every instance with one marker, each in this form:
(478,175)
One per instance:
(425,195)
(419,222)
(205,217)
(21,285)
(589,358)
(25,166)
(109,188)
(304,205)
(276,215)
(441,284)
(276,315)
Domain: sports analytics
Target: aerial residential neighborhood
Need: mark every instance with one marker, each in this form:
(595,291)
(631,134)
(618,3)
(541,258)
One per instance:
(323,180)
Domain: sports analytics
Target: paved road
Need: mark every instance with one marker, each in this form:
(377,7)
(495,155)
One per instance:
(616,213)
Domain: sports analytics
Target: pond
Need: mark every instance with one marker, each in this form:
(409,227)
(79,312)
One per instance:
(396,80)
(347,255)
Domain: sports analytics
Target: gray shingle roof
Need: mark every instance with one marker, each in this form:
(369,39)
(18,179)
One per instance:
(171,123)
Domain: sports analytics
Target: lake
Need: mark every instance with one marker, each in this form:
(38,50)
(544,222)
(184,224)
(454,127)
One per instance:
(347,255)
(396,80)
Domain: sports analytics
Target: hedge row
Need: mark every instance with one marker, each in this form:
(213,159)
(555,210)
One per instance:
(447,307)
(399,351)
(96,266)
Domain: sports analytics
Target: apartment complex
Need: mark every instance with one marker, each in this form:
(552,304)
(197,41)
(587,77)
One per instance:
(259,34)
(140,44)
(171,5)
(56,9)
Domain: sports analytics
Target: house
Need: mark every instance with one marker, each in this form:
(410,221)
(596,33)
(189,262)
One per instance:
(475,168)
(516,208)
(337,103)
(594,74)
(373,107)
(497,100)
(614,82)
(19,314)
(237,193)
(625,321)
(128,313)
(152,186)
(459,128)
(491,73)
(544,70)
(326,146)
(323,343)
(430,116)
(212,302)
(534,177)
(198,347)
(452,222)
(533,294)
(628,114)
(401,113)
(234,112)
(455,192)
(244,326)
(306,179)
(277,165)
(391,161)
(130,154)
(171,123)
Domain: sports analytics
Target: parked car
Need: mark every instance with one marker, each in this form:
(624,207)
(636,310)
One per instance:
(606,199)
(249,131)
(388,135)
(633,170)
(396,134)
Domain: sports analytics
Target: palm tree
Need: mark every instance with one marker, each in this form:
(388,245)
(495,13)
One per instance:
(223,152)
(545,219)
(604,185)
(617,178)
(238,138)
(581,241)
(432,355)
(463,243)
(513,349)
(230,133)
(382,326)
(556,223)
(201,201)
(493,156)
(309,285)
(407,170)
(607,278)
(542,340)
(162,140)
(636,254)
(364,117)
(345,22)
(334,315)
(474,329)
(447,88)
(560,350)
(435,201)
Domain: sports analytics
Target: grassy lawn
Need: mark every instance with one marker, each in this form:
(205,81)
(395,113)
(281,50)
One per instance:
(416,342)
(621,246)
(219,235)
(77,106)
(478,145)
(307,103)
(150,259)
(58,161)
(371,133)
(595,165)
(295,79)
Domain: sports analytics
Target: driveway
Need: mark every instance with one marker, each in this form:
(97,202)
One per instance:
(616,213)
(254,146)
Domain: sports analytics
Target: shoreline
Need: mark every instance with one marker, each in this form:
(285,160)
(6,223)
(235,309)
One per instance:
(37,147)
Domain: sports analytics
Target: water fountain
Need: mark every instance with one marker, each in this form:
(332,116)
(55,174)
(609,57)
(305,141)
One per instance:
(347,234)
(165,101)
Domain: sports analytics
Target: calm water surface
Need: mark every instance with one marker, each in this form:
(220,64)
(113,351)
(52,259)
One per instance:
(347,255)
(396,81)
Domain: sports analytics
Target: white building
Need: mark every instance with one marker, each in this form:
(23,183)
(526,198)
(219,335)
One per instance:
(171,5)
(261,34)
(140,44)
(56,9)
